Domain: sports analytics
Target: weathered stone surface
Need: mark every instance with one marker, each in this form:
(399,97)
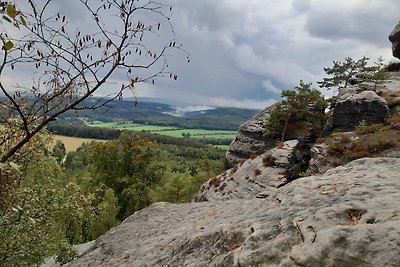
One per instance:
(353,107)
(281,157)
(257,177)
(249,141)
(391,92)
(347,217)
(319,163)
(394,37)
(245,181)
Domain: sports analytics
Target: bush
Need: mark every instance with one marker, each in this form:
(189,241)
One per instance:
(362,128)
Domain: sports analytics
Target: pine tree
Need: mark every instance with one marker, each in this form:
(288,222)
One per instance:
(295,107)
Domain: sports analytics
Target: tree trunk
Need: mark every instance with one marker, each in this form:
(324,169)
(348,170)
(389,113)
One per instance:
(286,125)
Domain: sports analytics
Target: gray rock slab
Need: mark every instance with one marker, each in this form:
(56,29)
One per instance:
(245,181)
(249,140)
(349,216)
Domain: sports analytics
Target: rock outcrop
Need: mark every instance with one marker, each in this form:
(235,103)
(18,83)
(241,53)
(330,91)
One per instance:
(394,38)
(391,92)
(347,217)
(249,141)
(353,107)
(258,177)
(318,162)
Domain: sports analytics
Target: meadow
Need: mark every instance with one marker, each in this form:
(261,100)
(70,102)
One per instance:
(169,131)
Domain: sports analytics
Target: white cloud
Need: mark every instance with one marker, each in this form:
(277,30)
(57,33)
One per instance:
(270,87)
(244,103)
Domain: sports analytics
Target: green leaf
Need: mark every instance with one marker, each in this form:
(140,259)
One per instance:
(8,45)
(23,21)
(11,11)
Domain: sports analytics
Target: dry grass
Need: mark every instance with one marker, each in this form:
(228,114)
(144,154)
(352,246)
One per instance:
(279,144)
(72,143)
(354,216)
(366,129)
(393,122)
(267,160)
(366,141)
(234,247)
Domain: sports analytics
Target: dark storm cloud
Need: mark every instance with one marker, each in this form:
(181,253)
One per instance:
(368,20)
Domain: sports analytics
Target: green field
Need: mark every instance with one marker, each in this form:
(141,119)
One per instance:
(169,131)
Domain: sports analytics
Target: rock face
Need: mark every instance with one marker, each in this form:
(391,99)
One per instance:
(347,217)
(391,92)
(249,141)
(257,177)
(353,107)
(318,163)
(394,37)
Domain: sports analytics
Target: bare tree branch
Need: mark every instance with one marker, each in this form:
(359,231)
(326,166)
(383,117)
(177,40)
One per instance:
(124,43)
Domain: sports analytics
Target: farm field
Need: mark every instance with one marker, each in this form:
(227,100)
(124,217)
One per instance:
(169,131)
(72,143)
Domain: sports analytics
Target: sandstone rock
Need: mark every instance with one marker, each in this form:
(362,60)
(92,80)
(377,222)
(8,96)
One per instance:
(257,177)
(281,157)
(319,163)
(294,157)
(394,38)
(245,181)
(347,217)
(393,83)
(391,93)
(353,107)
(249,141)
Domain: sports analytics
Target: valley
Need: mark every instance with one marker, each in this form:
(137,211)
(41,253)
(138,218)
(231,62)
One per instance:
(215,126)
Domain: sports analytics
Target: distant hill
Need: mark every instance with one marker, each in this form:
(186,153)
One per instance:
(146,112)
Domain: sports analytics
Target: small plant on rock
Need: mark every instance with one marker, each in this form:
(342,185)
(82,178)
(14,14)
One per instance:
(361,126)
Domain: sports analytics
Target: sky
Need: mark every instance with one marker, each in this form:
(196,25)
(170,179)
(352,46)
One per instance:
(244,52)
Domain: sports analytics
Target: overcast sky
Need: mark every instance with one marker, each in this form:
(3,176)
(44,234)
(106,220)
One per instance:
(244,52)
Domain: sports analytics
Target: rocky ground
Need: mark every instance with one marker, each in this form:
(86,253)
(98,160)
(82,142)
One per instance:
(349,216)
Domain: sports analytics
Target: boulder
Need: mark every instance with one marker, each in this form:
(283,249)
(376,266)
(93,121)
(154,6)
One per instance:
(352,107)
(254,177)
(257,177)
(249,141)
(394,38)
(348,216)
